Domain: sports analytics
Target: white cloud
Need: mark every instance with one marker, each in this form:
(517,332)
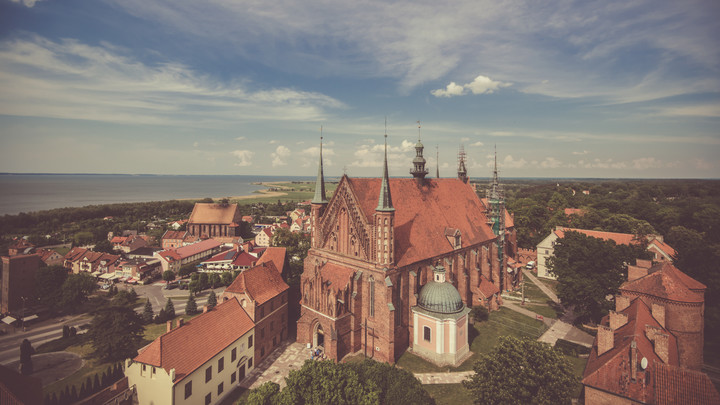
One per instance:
(464,139)
(27,3)
(478,143)
(702,164)
(196,144)
(580,153)
(272,142)
(281,152)
(646,163)
(550,163)
(245,157)
(481,85)
(510,163)
(240,138)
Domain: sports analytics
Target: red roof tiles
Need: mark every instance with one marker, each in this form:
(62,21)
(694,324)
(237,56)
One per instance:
(276,255)
(190,250)
(208,213)
(190,346)
(618,238)
(174,235)
(665,281)
(338,276)
(262,283)
(675,385)
(423,212)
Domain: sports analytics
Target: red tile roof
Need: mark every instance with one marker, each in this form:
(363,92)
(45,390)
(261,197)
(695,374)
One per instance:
(574,211)
(618,238)
(45,254)
(208,213)
(261,283)
(190,346)
(423,212)
(190,250)
(276,255)
(665,281)
(667,249)
(118,239)
(338,276)
(487,288)
(675,385)
(611,370)
(174,235)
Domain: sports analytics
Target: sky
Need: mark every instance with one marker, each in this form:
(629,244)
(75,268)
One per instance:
(602,89)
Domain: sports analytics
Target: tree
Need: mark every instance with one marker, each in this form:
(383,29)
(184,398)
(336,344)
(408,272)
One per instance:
(214,280)
(266,394)
(396,386)
(148,314)
(212,300)
(589,270)
(116,333)
(26,352)
(226,278)
(104,245)
(169,309)
(297,245)
(168,275)
(75,290)
(48,285)
(324,382)
(191,306)
(522,371)
(124,298)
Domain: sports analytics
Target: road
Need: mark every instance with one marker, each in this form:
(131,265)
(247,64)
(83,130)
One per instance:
(51,329)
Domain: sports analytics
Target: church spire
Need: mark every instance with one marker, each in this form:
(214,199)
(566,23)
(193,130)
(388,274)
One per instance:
(418,170)
(437,160)
(495,191)
(385,199)
(319,197)
(462,171)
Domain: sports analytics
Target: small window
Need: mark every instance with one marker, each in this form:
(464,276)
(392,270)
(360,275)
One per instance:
(220,388)
(208,374)
(208,399)
(250,341)
(221,364)
(233,354)
(426,333)
(188,390)
(233,377)
(262,351)
(250,362)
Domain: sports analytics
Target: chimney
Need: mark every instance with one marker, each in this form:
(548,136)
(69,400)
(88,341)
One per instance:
(658,312)
(621,302)
(617,320)
(646,264)
(633,360)
(205,308)
(636,272)
(169,326)
(605,339)
(179,323)
(662,347)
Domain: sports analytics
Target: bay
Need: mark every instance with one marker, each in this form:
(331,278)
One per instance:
(37,192)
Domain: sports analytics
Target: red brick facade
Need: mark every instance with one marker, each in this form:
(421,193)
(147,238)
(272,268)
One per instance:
(367,265)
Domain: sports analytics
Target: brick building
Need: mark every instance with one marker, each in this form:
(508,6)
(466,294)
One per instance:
(374,245)
(210,220)
(263,294)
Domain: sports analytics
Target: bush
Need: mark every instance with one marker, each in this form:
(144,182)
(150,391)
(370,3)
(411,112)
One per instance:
(569,348)
(479,313)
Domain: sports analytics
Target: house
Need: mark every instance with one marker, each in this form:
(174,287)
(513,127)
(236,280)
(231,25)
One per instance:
(20,247)
(263,294)
(126,244)
(375,245)
(248,218)
(649,350)
(50,257)
(297,213)
(198,362)
(229,260)
(178,224)
(546,248)
(136,270)
(175,239)
(278,257)
(80,259)
(264,237)
(173,259)
(17,281)
(209,220)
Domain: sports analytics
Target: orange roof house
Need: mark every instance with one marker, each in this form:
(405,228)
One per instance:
(213,350)
(209,220)
(173,259)
(276,255)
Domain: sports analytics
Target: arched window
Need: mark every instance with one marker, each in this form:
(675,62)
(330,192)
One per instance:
(372,296)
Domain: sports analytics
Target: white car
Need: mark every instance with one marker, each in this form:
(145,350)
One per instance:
(530,265)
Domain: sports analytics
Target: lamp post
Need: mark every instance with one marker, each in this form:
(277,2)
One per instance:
(23,313)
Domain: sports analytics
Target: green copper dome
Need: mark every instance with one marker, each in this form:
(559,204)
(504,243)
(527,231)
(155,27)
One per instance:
(440,297)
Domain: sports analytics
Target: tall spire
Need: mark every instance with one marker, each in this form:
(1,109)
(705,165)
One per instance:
(462,171)
(437,160)
(385,199)
(418,170)
(319,197)
(495,191)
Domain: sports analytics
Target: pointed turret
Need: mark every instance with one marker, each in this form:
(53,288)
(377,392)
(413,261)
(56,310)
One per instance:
(319,197)
(418,170)
(462,171)
(496,219)
(495,190)
(385,199)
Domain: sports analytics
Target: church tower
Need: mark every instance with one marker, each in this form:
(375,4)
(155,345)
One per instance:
(418,170)
(462,171)
(385,221)
(318,203)
(496,217)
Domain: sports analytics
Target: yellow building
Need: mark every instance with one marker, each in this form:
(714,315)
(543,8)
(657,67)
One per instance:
(197,363)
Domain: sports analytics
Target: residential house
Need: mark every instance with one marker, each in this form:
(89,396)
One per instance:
(248,218)
(278,257)
(80,259)
(264,295)
(50,257)
(229,260)
(175,239)
(17,281)
(198,362)
(126,244)
(173,259)
(209,220)
(178,224)
(264,237)
(649,350)
(137,270)
(20,246)
(546,248)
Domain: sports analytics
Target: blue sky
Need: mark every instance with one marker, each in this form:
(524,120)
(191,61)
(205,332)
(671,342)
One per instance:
(563,88)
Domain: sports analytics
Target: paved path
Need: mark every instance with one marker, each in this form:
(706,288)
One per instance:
(542,286)
(444,378)
(289,356)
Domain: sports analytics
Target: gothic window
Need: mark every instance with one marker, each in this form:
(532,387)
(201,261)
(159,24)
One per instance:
(372,296)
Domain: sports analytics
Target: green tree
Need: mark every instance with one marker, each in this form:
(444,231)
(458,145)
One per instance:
(212,300)
(214,280)
(26,352)
(266,394)
(76,289)
(589,270)
(168,275)
(169,309)
(396,386)
(226,278)
(191,306)
(83,238)
(522,371)
(124,298)
(148,314)
(48,285)
(103,245)
(297,245)
(324,382)
(116,333)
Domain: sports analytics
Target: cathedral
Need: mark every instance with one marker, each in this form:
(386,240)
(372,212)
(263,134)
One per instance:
(379,241)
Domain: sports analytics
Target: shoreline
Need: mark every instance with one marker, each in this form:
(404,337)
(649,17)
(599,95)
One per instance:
(264,193)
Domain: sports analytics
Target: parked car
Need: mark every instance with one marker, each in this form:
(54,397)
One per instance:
(170,286)
(530,265)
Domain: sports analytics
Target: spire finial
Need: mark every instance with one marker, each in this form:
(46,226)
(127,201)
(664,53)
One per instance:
(319,197)
(437,160)
(462,171)
(385,199)
(418,171)
(418,122)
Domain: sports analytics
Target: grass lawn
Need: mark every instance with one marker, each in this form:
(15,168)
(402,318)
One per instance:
(578,366)
(543,310)
(62,250)
(449,394)
(484,337)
